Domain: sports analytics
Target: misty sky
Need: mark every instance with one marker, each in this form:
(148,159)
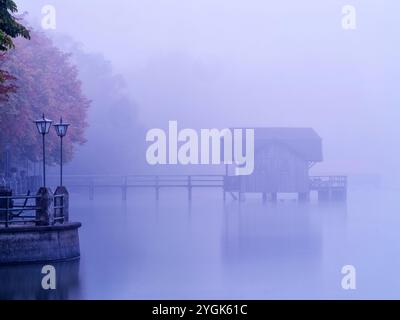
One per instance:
(227,63)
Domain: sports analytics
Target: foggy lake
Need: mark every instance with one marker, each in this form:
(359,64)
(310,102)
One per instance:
(152,94)
(171,249)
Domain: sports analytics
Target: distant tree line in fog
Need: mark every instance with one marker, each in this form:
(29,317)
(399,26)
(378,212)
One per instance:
(39,74)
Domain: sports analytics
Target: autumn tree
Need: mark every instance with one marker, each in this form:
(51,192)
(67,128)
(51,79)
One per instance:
(10,28)
(7,85)
(46,82)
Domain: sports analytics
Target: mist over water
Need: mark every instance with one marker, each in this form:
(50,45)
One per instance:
(223,64)
(144,250)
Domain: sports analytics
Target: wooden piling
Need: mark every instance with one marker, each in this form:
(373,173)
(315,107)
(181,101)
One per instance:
(157,187)
(91,190)
(264,197)
(124,189)
(190,188)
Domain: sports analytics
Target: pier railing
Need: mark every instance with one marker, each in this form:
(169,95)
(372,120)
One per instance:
(188,182)
(27,210)
(321,182)
(156,182)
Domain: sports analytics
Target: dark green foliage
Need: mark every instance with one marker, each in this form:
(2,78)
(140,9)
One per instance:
(9,26)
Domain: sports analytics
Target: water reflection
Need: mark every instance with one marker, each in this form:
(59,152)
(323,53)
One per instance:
(172,249)
(275,250)
(24,281)
(274,234)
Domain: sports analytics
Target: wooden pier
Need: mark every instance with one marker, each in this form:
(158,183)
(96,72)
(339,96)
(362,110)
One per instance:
(329,188)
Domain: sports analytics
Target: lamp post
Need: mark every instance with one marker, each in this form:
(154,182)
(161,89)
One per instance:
(43,125)
(61,130)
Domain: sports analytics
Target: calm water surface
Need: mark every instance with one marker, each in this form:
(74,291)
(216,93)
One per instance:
(211,250)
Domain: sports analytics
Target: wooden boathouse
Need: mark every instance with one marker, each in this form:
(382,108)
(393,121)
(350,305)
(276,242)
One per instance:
(282,160)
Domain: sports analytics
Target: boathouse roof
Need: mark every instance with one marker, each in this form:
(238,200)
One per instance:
(303,141)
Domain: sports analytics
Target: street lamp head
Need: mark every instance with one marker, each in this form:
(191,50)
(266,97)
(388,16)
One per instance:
(43,125)
(61,128)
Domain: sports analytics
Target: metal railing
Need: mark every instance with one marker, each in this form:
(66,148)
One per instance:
(321,182)
(59,208)
(26,209)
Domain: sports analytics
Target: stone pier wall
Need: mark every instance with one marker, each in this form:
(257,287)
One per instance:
(39,243)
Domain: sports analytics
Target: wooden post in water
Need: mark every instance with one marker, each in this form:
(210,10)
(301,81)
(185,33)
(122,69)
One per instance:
(224,188)
(190,188)
(241,189)
(91,190)
(157,188)
(124,188)
(224,182)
